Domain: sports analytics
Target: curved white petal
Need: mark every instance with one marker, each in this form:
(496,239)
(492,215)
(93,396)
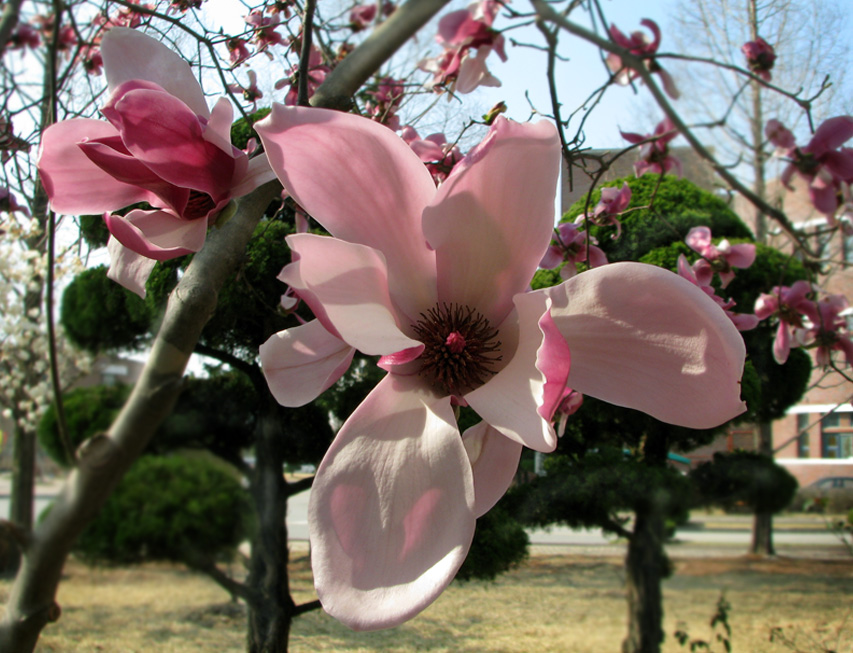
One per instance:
(391,514)
(127,268)
(491,221)
(494,461)
(300,363)
(516,400)
(129,54)
(346,285)
(644,338)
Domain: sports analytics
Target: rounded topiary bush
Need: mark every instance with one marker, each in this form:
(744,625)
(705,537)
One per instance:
(500,543)
(169,508)
(88,411)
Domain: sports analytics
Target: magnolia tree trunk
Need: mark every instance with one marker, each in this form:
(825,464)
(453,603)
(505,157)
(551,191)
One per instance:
(646,566)
(762,525)
(269,617)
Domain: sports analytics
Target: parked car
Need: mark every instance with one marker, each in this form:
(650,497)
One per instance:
(833,494)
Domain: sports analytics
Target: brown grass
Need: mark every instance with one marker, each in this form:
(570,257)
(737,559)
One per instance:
(552,603)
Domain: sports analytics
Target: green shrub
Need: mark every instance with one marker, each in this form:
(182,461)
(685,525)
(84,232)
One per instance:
(500,544)
(169,508)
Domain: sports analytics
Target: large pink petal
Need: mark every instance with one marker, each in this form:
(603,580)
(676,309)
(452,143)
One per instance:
(520,400)
(361,182)
(301,363)
(492,220)
(164,133)
(127,268)
(157,234)
(129,54)
(75,185)
(391,515)
(832,133)
(346,285)
(644,338)
(494,461)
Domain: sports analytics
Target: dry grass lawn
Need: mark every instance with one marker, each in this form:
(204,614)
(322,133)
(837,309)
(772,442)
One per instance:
(552,603)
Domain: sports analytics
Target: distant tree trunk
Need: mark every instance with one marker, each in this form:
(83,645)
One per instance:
(762,525)
(270,617)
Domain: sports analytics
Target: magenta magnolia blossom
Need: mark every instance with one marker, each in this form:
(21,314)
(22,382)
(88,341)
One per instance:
(742,321)
(789,306)
(160,145)
(760,57)
(654,151)
(572,246)
(434,281)
(434,150)
(720,258)
(639,45)
(822,162)
(613,202)
(827,330)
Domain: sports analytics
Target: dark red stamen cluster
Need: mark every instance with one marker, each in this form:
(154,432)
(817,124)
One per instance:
(459,347)
(198,205)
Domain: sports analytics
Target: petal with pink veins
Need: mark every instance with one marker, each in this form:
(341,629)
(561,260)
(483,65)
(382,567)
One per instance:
(488,237)
(644,338)
(157,234)
(129,55)
(380,189)
(391,514)
(127,268)
(76,185)
(494,461)
(301,363)
(346,285)
(520,400)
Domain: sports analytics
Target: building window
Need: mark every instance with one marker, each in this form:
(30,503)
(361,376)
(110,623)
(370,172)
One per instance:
(803,435)
(847,245)
(836,431)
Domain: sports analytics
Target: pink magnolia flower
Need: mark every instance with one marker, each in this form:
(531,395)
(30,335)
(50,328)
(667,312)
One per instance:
(238,51)
(760,57)
(654,151)
(789,306)
(572,246)
(160,145)
(317,71)
(363,15)
(827,330)
(250,93)
(265,26)
(823,163)
(434,280)
(439,156)
(460,32)
(613,202)
(719,258)
(742,321)
(639,45)
(24,36)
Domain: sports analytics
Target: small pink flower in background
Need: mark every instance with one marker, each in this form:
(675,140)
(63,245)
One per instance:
(317,71)
(250,93)
(789,306)
(460,33)
(742,321)
(435,282)
(385,101)
(238,51)
(362,16)
(613,202)
(823,163)
(439,156)
(161,145)
(9,203)
(827,330)
(760,57)
(639,45)
(569,405)
(265,29)
(654,151)
(719,258)
(24,37)
(92,60)
(572,246)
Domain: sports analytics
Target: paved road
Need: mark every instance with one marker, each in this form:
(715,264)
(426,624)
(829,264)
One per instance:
(806,534)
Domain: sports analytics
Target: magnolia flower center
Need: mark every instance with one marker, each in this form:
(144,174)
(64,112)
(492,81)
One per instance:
(198,205)
(460,348)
